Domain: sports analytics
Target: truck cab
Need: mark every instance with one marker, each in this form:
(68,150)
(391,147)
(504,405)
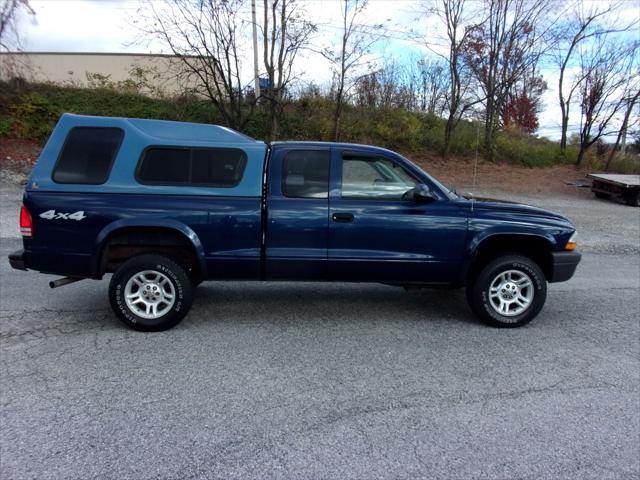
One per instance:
(362,219)
(164,206)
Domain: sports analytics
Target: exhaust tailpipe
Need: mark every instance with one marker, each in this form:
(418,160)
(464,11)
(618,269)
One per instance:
(63,281)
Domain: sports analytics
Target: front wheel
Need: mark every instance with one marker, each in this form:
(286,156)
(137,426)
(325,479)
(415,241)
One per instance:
(150,293)
(508,292)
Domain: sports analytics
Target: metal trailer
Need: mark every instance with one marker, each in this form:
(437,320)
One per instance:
(627,187)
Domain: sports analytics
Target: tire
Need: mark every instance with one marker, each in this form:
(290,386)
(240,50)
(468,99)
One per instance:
(601,195)
(519,292)
(163,288)
(633,199)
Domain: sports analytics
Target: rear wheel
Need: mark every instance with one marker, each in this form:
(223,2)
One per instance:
(508,292)
(151,293)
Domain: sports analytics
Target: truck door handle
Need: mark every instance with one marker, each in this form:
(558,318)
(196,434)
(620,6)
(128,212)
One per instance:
(342,217)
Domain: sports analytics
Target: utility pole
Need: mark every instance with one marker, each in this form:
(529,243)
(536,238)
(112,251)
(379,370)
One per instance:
(256,77)
(625,125)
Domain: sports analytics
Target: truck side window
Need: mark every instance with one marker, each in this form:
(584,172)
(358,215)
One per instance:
(199,167)
(165,165)
(305,174)
(220,166)
(374,178)
(87,155)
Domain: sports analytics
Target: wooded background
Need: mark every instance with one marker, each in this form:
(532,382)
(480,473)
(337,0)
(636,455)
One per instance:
(479,87)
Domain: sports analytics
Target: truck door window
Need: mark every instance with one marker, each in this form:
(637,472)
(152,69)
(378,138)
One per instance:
(305,174)
(374,178)
(87,155)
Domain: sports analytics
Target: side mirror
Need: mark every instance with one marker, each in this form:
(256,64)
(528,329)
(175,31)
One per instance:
(422,193)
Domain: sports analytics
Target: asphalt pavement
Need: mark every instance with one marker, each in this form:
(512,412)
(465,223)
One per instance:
(325,381)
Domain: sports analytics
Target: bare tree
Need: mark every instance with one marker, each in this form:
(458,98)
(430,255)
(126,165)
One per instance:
(353,48)
(392,92)
(583,25)
(9,11)
(434,85)
(631,99)
(393,86)
(607,69)
(412,84)
(206,37)
(284,33)
(367,90)
(500,50)
(456,19)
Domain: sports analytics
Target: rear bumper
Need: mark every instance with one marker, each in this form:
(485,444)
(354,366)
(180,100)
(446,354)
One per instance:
(64,264)
(564,265)
(16,260)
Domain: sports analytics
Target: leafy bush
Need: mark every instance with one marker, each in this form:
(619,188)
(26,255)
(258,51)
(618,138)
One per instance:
(34,109)
(395,129)
(34,116)
(6,126)
(625,164)
(517,147)
(619,164)
(31,111)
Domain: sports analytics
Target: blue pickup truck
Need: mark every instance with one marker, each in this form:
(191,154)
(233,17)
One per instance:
(166,205)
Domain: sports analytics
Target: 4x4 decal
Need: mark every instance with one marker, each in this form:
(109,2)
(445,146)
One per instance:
(53,215)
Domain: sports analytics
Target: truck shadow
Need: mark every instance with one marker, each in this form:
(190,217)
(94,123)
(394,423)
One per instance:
(84,307)
(287,303)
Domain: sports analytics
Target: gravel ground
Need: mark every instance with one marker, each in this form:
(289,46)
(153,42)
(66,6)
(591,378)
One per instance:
(328,380)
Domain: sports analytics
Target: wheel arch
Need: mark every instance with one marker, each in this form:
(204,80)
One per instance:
(534,246)
(176,234)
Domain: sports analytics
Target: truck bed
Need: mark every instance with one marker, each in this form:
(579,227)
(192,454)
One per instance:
(625,181)
(606,185)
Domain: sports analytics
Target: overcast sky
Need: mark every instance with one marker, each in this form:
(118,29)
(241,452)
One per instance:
(106,26)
